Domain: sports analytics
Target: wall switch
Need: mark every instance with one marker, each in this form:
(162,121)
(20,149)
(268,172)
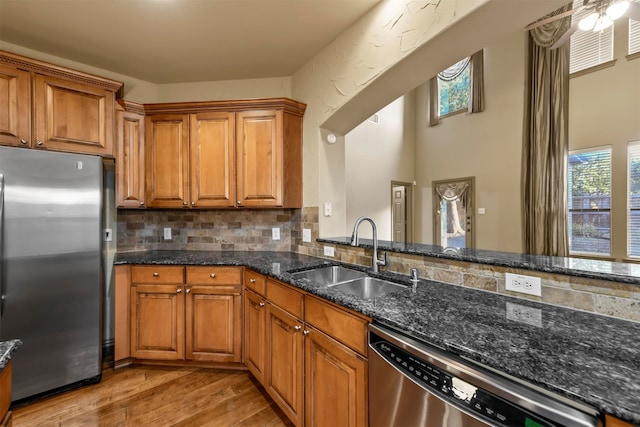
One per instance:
(306,235)
(481,211)
(275,233)
(167,233)
(525,284)
(329,251)
(108,235)
(327,209)
(523,314)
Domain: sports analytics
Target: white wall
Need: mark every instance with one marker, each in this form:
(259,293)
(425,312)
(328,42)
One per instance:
(375,155)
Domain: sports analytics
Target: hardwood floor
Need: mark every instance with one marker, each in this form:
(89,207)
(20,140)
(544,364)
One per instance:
(158,396)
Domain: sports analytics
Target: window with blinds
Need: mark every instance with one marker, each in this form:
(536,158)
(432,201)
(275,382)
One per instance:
(633,201)
(634,36)
(589,192)
(588,48)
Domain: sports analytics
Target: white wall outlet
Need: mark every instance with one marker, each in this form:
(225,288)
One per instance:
(108,235)
(524,284)
(275,233)
(167,233)
(481,211)
(329,251)
(523,314)
(306,235)
(328,210)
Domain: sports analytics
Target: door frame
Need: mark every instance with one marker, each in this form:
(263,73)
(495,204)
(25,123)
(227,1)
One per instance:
(408,208)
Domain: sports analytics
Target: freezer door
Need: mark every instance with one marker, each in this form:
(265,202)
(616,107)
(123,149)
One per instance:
(51,267)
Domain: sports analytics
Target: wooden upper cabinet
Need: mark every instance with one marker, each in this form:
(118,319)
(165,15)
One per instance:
(45,106)
(212,159)
(130,161)
(167,160)
(15,107)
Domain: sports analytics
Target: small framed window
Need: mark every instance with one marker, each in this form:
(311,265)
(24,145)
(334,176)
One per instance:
(589,48)
(633,201)
(634,36)
(454,88)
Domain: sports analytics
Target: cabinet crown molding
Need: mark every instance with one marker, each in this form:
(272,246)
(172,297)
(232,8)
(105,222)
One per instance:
(286,104)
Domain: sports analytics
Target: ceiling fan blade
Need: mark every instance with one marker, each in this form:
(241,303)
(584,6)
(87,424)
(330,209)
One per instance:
(566,36)
(550,19)
(633,12)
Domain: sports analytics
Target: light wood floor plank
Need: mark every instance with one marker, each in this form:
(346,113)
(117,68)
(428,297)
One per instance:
(158,396)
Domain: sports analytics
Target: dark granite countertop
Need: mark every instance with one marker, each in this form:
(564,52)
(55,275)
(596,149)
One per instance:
(589,358)
(7,348)
(579,267)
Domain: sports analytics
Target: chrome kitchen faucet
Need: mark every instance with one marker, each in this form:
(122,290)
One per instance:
(354,242)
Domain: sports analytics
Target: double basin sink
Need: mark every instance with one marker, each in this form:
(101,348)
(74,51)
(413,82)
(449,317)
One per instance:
(349,281)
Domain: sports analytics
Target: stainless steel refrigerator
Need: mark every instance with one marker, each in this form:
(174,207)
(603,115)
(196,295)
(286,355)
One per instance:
(50,270)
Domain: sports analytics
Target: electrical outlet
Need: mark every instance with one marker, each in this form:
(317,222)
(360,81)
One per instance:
(328,209)
(306,235)
(108,235)
(524,284)
(167,233)
(275,233)
(329,251)
(523,314)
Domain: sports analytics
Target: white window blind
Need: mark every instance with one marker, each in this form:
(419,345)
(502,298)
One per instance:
(589,191)
(588,48)
(633,202)
(634,36)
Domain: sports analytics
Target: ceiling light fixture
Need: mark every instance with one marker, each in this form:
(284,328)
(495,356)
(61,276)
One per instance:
(604,16)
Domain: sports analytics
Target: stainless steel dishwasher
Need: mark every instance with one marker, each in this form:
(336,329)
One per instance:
(412,384)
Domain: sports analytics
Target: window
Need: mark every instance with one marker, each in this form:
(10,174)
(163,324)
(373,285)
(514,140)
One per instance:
(589,48)
(634,36)
(589,188)
(454,88)
(633,201)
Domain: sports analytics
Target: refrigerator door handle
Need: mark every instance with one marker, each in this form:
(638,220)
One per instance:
(1,244)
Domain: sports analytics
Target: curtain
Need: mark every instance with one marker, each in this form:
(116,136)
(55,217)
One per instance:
(545,142)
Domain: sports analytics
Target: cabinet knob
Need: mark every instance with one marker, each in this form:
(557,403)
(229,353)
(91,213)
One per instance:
(239,202)
(156,274)
(188,291)
(212,275)
(297,327)
(178,290)
(305,332)
(23,141)
(38,142)
(252,280)
(184,203)
(193,203)
(261,303)
(141,203)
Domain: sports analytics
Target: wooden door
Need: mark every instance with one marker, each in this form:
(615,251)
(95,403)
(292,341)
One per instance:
(130,184)
(72,117)
(285,369)
(157,322)
(212,160)
(167,160)
(213,323)
(15,107)
(259,158)
(255,316)
(336,378)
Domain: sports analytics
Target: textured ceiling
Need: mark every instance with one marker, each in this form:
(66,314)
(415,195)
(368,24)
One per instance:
(170,41)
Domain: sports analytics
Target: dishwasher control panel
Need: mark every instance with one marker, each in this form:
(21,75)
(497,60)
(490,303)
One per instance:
(473,400)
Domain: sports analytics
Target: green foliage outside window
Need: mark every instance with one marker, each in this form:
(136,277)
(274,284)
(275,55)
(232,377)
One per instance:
(453,95)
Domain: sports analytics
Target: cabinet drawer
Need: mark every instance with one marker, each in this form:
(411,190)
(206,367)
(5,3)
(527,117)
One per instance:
(344,327)
(255,281)
(156,274)
(285,297)
(214,275)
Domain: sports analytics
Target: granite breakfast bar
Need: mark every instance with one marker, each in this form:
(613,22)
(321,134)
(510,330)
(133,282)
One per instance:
(588,358)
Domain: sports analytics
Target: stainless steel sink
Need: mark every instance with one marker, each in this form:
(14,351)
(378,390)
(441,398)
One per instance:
(367,287)
(330,275)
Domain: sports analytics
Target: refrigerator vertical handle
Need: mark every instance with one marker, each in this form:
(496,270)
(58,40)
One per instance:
(1,244)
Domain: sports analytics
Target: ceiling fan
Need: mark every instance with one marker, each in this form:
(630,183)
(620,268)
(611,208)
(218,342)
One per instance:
(597,15)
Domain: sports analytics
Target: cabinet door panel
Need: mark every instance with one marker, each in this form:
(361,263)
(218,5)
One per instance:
(336,378)
(259,158)
(72,116)
(285,374)
(212,160)
(167,165)
(15,107)
(130,185)
(255,316)
(213,324)
(157,322)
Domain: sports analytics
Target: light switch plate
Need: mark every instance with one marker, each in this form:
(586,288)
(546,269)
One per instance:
(167,233)
(306,235)
(108,235)
(275,233)
(327,209)
(329,251)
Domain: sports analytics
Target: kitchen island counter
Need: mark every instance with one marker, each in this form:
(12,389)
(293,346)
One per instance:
(591,359)
(7,348)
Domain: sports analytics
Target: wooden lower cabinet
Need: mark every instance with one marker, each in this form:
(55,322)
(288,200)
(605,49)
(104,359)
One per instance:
(255,320)
(5,396)
(336,378)
(610,421)
(285,362)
